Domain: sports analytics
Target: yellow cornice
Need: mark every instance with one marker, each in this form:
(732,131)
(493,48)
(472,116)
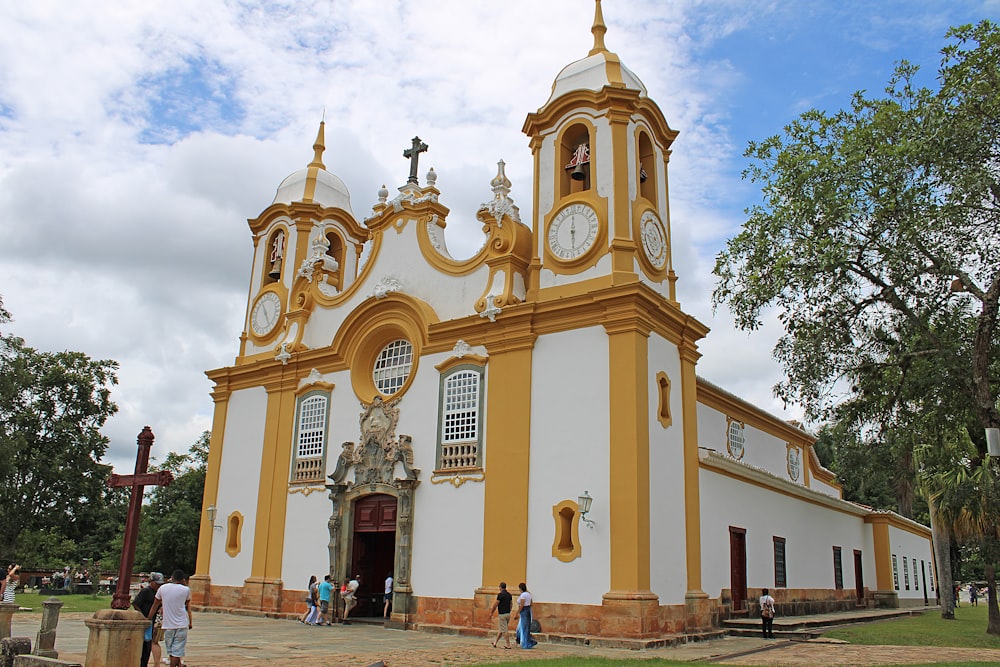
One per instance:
(299,211)
(735,407)
(900,522)
(468,359)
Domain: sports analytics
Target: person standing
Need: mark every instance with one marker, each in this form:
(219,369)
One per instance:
(767,614)
(502,607)
(973,595)
(310,600)
(11,582)
(325,589)
(142,603)
(524,601)
(175,599)
(388,596)
(351,596)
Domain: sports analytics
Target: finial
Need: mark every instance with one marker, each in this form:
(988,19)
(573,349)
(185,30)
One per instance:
(599,29)
(383,194)
(319,146)
(500,182)
(432,178)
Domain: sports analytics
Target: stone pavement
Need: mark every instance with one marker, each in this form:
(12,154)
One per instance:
(222,640)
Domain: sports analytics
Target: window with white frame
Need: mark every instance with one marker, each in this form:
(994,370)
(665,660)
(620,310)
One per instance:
(895,572)
(310,438)
(461,418)
(906,574)
(392,367)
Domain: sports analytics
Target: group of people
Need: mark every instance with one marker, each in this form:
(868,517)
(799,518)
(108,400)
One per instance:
(167,606)
(319,600)
(502,607)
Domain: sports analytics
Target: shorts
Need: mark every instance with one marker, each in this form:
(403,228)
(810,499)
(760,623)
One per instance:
(387,597)
(175,641)
(503,621)
(324,606)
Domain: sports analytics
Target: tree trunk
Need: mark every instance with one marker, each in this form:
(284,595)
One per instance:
(942,550)
(993,626)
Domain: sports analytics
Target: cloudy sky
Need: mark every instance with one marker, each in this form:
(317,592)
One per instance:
(137,137)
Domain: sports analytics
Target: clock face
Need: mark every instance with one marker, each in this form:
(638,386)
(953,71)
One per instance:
(573,231)
(654,239)
(265,313)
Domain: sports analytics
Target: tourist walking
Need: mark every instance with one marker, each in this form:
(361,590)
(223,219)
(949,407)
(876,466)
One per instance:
(766,614)
(310,600)
(388,596)
(143,603)
(502,607)
(325,590)
(524,601)
(175,599)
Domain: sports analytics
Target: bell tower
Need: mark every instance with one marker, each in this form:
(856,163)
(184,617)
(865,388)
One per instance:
(601,148)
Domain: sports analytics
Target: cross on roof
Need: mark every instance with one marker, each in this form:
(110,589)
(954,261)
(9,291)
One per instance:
(413,154)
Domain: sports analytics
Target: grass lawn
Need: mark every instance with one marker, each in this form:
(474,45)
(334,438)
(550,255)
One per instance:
(968,630)
(71,603)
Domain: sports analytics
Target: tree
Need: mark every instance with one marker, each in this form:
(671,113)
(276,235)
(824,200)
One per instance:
(168,531)
(879,237)
(52,406)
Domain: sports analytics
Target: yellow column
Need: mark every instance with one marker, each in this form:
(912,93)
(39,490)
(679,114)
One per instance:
(213,467)
(883,553)
(508,442)
(692,488)
(272,492)
(629,456)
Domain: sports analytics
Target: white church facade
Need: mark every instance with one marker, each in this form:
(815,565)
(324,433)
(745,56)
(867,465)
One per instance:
(394,410)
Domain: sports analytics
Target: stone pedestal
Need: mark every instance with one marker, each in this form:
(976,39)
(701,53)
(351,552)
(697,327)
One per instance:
(7,610)
(201,590)
(45,642)
(631,614)
(115,638)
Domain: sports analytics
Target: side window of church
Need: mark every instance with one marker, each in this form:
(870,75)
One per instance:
(838,569)
(906,574)
(930,577)
(461,418)
(780,580)
(895,572)
(310,438)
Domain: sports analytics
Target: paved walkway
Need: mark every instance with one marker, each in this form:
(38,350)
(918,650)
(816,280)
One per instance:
(221,640)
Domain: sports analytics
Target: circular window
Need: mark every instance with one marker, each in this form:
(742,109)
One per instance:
(392,367)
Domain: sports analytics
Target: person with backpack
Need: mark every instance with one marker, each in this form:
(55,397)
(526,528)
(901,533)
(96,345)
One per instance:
(767,614)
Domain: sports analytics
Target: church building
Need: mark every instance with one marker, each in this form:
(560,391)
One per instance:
(531,413)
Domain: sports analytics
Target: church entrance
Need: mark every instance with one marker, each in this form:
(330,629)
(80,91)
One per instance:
(374,549)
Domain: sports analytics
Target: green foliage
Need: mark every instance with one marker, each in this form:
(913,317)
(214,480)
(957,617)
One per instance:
(879,242)
(52,406)
(71,603)
(168,529)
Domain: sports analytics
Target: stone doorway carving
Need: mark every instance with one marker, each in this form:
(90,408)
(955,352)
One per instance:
(374,463)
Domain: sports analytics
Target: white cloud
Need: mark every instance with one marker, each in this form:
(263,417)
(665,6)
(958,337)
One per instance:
(136,140)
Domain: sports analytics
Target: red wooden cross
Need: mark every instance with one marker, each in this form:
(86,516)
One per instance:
(137,482)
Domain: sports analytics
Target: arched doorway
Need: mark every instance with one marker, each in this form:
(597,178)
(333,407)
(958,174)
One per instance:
(373,549)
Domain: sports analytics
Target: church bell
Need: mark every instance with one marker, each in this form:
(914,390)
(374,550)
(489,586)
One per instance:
(275,271)
(579,172)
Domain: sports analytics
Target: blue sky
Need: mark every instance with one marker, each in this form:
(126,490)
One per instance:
(136,139)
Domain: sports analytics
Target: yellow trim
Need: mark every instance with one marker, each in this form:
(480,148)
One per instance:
(508,423)
(451,362)
(272,491)
(593,254)
(899,522)
(234,534)
(566,547)
(282,292)
(628,472)
(639,208)
(213,468)
(883,555)
(689,356)
(458,477)
(663,413)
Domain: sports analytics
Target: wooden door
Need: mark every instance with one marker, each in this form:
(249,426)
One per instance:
(738,567)
(859,579)
(374,551)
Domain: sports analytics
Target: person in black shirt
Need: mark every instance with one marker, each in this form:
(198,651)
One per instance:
(142,603)
(502,607)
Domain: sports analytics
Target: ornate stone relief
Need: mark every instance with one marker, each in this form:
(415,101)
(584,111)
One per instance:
(318,258)
(501,205)
(375,459)
(461,349)
(385,285)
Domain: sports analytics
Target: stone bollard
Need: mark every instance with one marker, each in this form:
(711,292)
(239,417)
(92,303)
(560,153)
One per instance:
(45,642)
(115,638)
(10,647)
(7,610)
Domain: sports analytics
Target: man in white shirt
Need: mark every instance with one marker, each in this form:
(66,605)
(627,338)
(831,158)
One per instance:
(175,598)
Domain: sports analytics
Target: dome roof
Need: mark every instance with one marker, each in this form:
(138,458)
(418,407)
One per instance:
(327,189)
(595,72)
(314,184)
(599,69)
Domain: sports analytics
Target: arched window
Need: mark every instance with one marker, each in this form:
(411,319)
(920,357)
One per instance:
(310,438)
(461,418)
(576,159)
(392,367)
(336,251)
(274,256)
(647,169)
